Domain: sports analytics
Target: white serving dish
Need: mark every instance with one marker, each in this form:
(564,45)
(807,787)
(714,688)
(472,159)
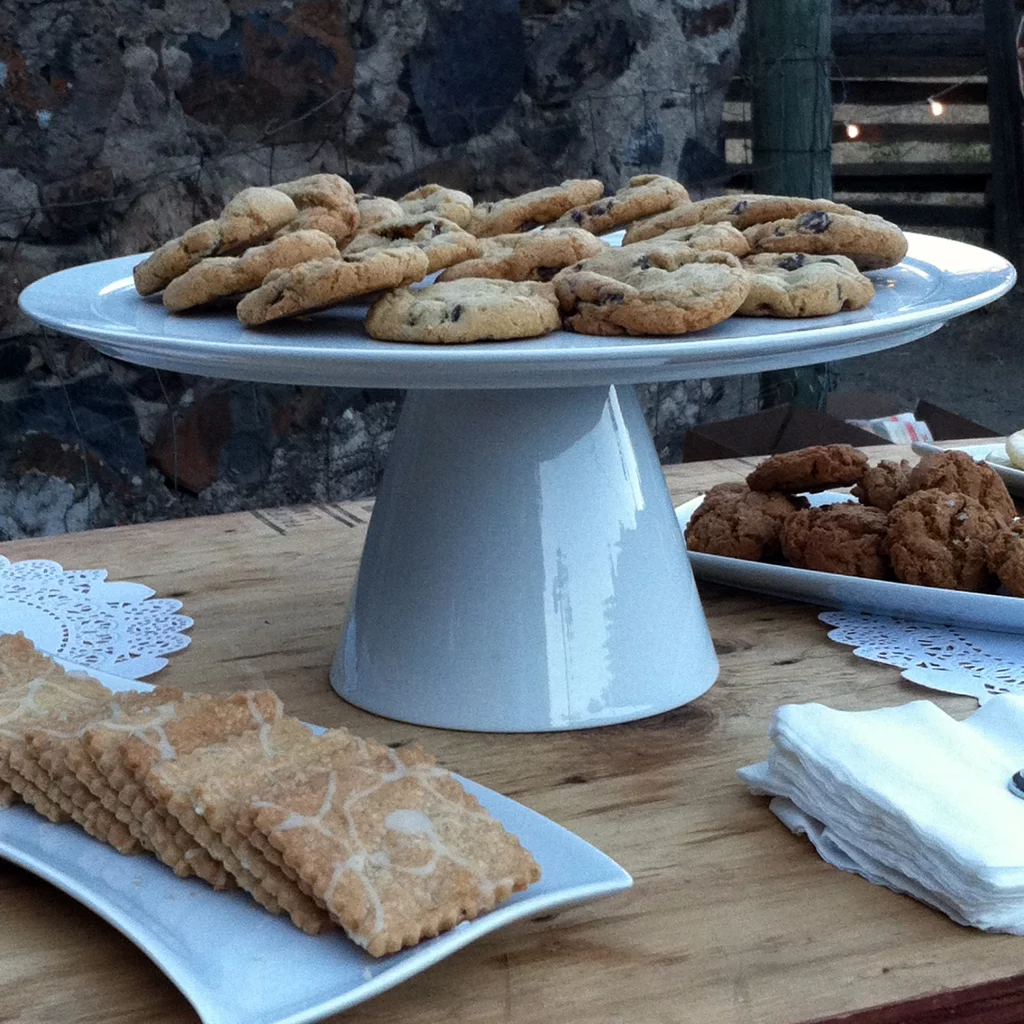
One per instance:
(830,590)
(522,568)
(238,964)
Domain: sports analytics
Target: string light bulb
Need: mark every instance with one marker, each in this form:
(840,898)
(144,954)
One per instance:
(853,131)
(937,107)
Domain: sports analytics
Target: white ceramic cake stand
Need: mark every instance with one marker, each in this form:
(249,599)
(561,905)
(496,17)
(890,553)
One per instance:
(523,568)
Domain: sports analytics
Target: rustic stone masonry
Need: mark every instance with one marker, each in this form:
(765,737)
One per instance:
(126,121)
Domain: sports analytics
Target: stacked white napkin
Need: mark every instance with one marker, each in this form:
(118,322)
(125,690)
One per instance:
(909,798)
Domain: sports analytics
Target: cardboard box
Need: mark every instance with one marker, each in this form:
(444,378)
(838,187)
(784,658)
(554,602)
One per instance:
(787,427)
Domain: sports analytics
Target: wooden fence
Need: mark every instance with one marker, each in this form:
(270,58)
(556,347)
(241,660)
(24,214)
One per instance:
(892,60)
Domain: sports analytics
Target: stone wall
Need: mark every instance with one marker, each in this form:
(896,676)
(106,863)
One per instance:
(128,120)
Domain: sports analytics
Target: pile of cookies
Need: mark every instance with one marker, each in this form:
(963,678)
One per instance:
(946,522)
(331,829)
(523,266)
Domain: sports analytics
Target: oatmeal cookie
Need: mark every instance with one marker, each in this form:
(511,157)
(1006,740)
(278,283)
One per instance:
(449,203)
(954,471)
(1006,557)
(219,277)
(536,256)
(525,212)
(883,485)
(810,469)
(319,284)
(938,539)
(659,288)
(846,538)
(443,241)
(645,194)
(870,241)
(250,218)
(470,309)
(737,522)
(796,285)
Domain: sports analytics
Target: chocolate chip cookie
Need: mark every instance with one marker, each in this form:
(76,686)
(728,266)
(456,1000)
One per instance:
(810,469)
(534,256)
(249,218)
(443,241)
(797,285)
(954,471)
(471,309)
(657,288)
(374,209)
(846,538)
(645,194)
(218,277)
(885,484)
(325,202)
(938,539)
(738,210)
(737,522)
(871,242)
(525,212)
(319,284)
(1006,557)
(449,203)
(721,237)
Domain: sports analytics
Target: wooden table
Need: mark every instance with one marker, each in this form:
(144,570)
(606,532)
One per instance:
(732,918)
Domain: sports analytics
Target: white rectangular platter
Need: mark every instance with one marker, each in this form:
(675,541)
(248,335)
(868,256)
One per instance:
(236,963)
(830,590)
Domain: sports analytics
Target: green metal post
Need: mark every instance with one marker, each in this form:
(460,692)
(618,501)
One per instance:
(789,47)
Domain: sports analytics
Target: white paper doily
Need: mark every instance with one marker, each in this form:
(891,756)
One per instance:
(81,618)
(972,662)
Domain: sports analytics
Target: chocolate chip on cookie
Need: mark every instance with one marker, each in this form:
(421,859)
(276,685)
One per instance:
(883,485)
(645,194)
(525,212)
(845,538)
(537,256)
(470,309)
(868,240)
(810,469)
(798,285)
(954,471)
(1006,557)
(737,522)
(653,288)
(939,539)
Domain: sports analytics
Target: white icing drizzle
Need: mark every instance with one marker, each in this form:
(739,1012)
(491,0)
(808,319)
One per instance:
(264,727)
(408,821)
(26,704)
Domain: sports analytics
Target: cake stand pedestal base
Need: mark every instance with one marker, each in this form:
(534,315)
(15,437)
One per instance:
(523,569)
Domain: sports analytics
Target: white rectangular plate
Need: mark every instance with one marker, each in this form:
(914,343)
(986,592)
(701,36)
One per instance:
(995,455)
(237,964)
(903,600)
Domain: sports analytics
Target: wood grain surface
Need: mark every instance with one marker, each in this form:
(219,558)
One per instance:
(731,919)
